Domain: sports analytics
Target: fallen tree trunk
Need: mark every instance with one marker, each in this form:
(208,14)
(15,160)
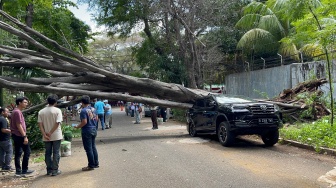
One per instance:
(74,74)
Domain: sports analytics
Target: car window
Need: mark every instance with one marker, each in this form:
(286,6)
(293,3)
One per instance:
(199,104)
(207,103)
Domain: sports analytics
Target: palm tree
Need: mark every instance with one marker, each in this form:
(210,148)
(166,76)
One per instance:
(265,29)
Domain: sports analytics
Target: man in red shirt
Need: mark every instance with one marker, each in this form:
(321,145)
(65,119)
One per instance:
(18,130)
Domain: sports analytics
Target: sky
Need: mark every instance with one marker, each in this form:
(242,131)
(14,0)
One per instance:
(84,14)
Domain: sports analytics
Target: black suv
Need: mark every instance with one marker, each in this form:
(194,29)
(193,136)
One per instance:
(229,116)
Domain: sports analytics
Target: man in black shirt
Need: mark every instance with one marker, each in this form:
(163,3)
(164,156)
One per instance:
(6,148)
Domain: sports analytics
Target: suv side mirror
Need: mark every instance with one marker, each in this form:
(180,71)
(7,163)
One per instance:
(212,103)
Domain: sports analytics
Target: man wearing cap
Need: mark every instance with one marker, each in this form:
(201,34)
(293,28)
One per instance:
(108,114)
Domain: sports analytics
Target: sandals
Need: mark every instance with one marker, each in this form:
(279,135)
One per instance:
(87,168)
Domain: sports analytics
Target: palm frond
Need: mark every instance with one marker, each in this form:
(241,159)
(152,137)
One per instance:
(257,8)
(258,41)
(273,25)
(289,50)
(248,21)
(280,4)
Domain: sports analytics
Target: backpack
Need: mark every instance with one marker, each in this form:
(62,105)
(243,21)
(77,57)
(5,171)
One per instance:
(140,109)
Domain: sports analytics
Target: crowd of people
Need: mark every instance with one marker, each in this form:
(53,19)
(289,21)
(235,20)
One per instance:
(49,121)
(13,126)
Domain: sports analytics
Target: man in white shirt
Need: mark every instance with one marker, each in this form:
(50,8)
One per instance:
(49,121)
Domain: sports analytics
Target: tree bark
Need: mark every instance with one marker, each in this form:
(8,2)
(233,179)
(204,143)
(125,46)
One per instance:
(74,74)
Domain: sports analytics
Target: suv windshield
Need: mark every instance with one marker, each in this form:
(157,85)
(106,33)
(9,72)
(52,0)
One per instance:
(224,99)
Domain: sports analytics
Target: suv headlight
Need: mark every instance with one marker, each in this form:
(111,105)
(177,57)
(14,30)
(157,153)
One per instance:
(239,108)
(276,108)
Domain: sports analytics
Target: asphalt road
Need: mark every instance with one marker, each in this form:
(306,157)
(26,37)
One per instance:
(133,155)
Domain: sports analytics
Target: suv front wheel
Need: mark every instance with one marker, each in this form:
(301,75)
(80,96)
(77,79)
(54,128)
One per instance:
(270,138)
(225,136)
(192,129)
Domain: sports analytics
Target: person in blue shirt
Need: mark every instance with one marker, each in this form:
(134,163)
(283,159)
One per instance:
(99,106)
(108,114)
(89,133)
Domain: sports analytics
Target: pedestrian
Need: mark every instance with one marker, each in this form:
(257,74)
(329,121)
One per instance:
(89,133)
(121,105)
(6,148)
(19,136)
(93,102)
(154,116)
(49,120)
(163,112)
(99,106)
(138,110)
(108,114)
(132,109)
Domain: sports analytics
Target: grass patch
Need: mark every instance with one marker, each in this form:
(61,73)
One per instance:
(37,156)
(317,134)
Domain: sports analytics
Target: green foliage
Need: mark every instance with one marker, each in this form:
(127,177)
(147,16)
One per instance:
(54,20)
(33,131)
(315,29)
(179,114)
(310,98)
(68,128)
(318,134)
(261,93)
(61,25)
(163,68)
(265,29)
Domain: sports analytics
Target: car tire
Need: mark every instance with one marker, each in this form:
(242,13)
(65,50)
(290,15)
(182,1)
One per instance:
(225,136)
(270,138)
(192,129)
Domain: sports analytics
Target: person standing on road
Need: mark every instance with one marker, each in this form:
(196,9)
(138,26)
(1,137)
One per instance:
(99,106)
(49,121)
(132,109)
(163,112)
(6,148)
(89,133)
(108,114)
(138,110)
(154,116)
(19,135)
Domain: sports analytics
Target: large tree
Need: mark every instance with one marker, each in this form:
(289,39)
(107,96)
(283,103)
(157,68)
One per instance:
(73,74)
(50,17)
(174,33)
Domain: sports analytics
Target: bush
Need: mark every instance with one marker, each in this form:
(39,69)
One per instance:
(179,114)
(317,134)
(68,128)
(33,131)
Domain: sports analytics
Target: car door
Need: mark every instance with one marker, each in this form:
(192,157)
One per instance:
(209,114)
(197,114)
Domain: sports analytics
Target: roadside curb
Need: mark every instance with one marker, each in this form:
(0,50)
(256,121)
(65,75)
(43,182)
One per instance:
(323,150)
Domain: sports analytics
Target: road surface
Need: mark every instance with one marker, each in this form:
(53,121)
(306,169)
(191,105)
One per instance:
(134,155)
